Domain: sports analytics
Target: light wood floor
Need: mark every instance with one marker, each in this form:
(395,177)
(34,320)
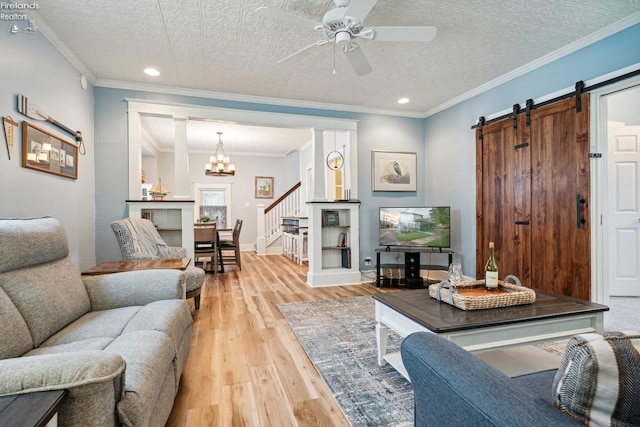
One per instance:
(246,367)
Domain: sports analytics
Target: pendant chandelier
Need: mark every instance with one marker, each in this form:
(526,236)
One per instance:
(219,163)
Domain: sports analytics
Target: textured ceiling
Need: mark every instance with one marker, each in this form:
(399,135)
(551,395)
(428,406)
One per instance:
(223,46)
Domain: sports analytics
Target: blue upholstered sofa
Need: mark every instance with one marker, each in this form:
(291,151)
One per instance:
(452,387)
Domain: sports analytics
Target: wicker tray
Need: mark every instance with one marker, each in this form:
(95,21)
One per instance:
(474,296)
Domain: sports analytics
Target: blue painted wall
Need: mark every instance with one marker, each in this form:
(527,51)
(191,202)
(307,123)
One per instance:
(31,66)
(375,132)
(450,141)
(444,142)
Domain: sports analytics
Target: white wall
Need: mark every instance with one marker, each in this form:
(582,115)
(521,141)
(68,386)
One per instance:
(623,107)
(33,67)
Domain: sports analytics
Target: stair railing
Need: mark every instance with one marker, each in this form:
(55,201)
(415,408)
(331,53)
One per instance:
(270,218)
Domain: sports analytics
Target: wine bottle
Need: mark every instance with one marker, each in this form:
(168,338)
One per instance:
(491,271)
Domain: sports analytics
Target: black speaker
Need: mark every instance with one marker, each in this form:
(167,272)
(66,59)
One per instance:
(411,265)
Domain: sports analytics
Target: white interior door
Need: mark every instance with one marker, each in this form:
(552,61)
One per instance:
(624,208)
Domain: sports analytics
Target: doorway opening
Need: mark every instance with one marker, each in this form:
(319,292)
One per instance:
(616,243)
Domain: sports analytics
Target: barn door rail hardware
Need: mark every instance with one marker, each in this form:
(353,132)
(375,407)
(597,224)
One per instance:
(578,94)
(580,88)
(516,111)
(528,109)
(479,126)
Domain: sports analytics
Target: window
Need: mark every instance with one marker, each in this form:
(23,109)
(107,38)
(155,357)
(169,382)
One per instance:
(212,197)
(213,200)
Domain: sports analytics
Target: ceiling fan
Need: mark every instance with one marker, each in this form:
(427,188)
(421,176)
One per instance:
(343,25)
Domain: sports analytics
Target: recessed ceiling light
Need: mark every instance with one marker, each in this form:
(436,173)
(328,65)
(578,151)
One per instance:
(151,72)
(403,101)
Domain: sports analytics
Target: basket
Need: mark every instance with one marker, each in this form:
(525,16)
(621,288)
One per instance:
(508,294)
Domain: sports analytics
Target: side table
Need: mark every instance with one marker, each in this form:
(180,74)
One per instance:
(109,267)
(33,409)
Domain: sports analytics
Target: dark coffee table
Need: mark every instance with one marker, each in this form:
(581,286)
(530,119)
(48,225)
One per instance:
(551,317)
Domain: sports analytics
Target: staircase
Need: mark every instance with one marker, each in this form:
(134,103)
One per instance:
(270,222)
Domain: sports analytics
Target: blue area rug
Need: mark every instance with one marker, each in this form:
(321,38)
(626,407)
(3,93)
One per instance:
(339,337)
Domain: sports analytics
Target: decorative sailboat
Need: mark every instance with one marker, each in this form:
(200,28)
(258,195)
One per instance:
(158,191)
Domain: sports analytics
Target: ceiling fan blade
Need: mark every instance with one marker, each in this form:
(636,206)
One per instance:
(402,34)
(358,61)
(281,15)
(359,9)
(305,51)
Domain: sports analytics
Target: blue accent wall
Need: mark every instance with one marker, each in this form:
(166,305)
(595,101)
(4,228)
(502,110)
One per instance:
(31,66)
(375,132)
(450,141)
(443,142)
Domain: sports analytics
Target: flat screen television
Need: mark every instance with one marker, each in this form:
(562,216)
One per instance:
(417,227)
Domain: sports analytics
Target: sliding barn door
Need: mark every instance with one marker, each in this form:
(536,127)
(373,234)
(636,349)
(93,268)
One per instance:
(560,198)
(533,198)
(504,201)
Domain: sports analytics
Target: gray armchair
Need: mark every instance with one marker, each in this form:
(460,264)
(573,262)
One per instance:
(117,342)
(138,239)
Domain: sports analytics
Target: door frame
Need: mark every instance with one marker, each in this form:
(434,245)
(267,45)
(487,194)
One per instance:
(599,187)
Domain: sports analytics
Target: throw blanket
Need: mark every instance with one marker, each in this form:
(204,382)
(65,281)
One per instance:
(146,238)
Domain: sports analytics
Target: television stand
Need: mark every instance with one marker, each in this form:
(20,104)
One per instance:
(407,273)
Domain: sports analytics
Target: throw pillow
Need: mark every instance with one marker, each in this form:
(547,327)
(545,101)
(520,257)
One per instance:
(598,382)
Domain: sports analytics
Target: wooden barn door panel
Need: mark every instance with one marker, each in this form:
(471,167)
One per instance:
(533,198)
(560,198)
(503,198)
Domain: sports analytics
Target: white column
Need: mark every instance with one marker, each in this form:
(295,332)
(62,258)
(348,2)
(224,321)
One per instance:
(261,242)
(181,160)
(352,148)
(135,155)
(319,191)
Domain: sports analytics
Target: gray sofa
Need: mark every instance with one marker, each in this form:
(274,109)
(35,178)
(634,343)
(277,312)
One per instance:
(452,387)
(117,342)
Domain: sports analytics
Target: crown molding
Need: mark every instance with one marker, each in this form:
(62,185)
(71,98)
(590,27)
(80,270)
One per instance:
(55,40)
(61,46)
(224,96)
(540,62)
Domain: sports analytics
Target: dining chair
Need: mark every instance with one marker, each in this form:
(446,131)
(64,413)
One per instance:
(231,248)
(206,245)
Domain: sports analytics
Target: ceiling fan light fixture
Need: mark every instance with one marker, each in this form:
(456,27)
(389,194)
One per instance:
(343,38)
(344,23)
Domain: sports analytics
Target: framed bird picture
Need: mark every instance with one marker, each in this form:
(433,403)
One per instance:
(393,171)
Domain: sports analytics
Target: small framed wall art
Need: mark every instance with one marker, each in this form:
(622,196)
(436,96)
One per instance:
(46,152)
(393,171)
(330,218)
(264,187)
